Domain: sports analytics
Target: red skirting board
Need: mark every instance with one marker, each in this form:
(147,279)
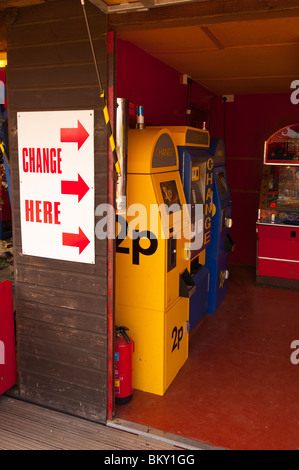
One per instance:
(278,255)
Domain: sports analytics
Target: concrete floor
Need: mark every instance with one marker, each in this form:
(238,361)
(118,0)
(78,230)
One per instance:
(239,388)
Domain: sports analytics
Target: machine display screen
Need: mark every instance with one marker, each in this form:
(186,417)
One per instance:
(283,192)
(171,195)
(198,178)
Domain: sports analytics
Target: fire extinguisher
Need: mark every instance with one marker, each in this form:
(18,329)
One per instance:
(123,380)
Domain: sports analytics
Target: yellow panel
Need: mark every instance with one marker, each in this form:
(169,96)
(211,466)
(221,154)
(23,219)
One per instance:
(146,328)
(199,136)
(160,288)
(147,297)
(176,227)
(176,340)
(150,272)
(141,151)
(3,59)
(160,344)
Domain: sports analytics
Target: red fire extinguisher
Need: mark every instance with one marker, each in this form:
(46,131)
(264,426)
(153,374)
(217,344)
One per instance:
(123,379)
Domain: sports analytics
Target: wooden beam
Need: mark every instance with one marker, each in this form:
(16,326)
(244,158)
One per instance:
(212,36)
(203,12)
(3,35)
(19,3)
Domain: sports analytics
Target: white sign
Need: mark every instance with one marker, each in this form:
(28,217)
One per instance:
(56,167)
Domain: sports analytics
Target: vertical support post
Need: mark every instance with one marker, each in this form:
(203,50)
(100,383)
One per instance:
(111,243)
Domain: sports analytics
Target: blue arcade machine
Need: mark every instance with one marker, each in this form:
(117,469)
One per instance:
(217,252)
(5,207)
(196,170)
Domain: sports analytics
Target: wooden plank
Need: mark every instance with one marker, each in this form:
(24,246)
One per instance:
(50,76)
(38,35)
(19,3)
(201,13)
(99,268)
(24,426)
(63,317)
(64,12)
(67,299)
(62,280)
(61,307)
(62,337)
(56,53)
(76,355)
(51,371)
(55,98)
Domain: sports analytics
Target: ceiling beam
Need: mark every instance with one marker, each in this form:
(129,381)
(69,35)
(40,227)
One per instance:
(141,5)
(19,3)
(202,13)
(118,8)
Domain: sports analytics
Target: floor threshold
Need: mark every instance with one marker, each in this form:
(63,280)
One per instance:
(172,439)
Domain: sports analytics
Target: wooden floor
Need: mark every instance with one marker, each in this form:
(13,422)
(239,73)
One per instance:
(24,426)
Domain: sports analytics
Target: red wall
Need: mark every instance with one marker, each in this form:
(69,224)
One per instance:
(245,124)
(249,121)
(147,82)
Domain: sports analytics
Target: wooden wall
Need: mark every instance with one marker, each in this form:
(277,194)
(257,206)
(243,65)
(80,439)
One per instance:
(61,307)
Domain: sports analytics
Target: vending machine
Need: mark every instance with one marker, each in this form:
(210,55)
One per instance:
(217,253)
(196,170)
(278,215)
(153,282)
(5,186)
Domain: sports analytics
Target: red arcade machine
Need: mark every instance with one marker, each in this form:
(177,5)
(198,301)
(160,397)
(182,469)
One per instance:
(278,216)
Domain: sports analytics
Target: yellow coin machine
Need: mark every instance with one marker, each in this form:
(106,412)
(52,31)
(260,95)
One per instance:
(152,283)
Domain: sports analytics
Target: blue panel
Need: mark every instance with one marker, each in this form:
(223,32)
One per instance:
(199,300)
(217,253)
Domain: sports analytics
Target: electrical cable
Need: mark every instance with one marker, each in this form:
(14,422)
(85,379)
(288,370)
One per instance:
(102,95)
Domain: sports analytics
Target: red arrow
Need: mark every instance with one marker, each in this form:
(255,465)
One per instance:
(74,134)
(78,188)
(79,240)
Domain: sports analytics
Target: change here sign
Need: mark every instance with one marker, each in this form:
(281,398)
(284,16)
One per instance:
(56,167)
